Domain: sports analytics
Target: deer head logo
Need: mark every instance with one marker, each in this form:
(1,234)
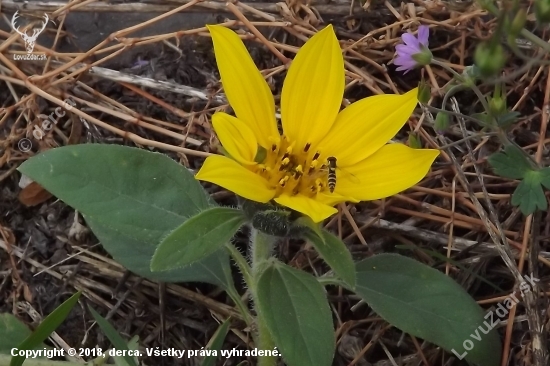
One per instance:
(30,41)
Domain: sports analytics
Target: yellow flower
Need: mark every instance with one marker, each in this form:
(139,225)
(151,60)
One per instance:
(294,170)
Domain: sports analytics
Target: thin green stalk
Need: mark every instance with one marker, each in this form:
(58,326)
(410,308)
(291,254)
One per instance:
(234,295)
(474,87)
(244,268)
(452,113)
(261,247)
(241,262)
(448,68)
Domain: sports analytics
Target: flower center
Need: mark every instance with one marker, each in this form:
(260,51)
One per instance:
(294,169)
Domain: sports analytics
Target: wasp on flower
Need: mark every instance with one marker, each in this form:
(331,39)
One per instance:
(291,168)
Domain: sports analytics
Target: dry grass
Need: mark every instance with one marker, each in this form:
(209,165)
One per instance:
(461,209)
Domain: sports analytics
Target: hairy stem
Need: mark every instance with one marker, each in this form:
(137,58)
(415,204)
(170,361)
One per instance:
(261,246)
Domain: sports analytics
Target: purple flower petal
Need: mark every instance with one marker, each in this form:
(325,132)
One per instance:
(413,45)
(407,63)
(404,68)
(410,40)
(423,34)
(402,49)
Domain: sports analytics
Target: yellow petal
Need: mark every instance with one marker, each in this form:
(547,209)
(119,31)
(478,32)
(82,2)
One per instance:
(245,88)
(313,89)
(228,174)
(236,137)
(332,199)
(367,125)
(316,210)
(390,170)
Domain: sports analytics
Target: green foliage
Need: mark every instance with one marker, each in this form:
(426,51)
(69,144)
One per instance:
(507,119)
(424,92)
(425,303)
(542,10)
(133,344)
(197,238)
(484,119)
(336,254)
(12,333)
(118,342)
(529,195)
(518,22)
(414,141)
(131,199)
(48,325)
(216,342)
(514,164)
(294,307)
(304,225)
(442,122)
(511,163)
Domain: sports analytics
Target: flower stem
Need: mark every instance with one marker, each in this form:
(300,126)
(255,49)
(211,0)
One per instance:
(261,246)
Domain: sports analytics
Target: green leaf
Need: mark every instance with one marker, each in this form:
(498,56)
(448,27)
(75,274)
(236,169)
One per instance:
(216,342)
(529,195)
(136,255)
(512,163)
(12,332)
(294,307)
(198,237)
(304,224)
(545,177)
(508,119)
(118,342)
(424,302)
(131,199)
(336,254)
(484,118)
(133,344)
(443,258)
(48,325)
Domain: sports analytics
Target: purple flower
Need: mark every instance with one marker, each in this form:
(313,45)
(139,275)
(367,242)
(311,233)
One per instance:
(414,52)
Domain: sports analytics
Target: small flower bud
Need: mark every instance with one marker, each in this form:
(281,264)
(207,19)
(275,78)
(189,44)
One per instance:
(414,141)
(518,22)
(489,58)
(273,222)
(424,92)
(442,122)
(542,10)
(497,104)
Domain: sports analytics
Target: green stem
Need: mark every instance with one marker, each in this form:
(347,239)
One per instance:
(234,295)
(448,68)
(241,262)
(474,87)
(261,246)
